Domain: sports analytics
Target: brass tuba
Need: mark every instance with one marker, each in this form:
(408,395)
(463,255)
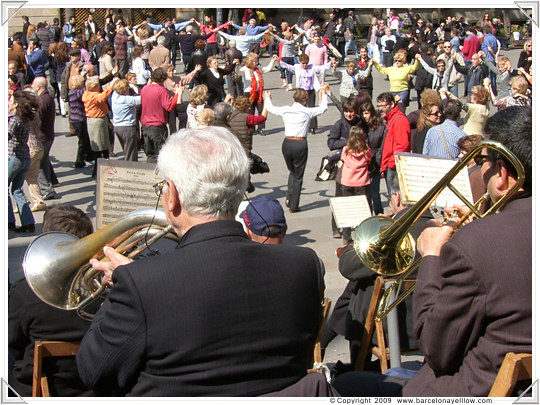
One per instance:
(386,247)
(56,264)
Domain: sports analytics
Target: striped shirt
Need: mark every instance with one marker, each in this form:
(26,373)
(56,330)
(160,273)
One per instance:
(77,106)
(434,145)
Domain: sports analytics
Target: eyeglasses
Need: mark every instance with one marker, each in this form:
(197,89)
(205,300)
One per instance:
(158,187)
(436,113)
(446,47)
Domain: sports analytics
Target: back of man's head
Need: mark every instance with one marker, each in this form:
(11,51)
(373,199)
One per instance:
(265,220)
(512,127)
(452,110)
(209,168)
(189,29)
(222,111)
(396,200)
(69,219)
(161,40)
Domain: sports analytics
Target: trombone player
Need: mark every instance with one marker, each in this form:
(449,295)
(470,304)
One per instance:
(473,298)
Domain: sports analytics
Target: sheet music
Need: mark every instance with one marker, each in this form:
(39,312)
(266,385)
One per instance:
(350,211)
(418,174)
(123,187)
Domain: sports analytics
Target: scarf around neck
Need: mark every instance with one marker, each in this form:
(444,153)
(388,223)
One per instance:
(256,93)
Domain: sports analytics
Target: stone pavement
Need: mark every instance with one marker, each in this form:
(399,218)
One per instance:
(310,227)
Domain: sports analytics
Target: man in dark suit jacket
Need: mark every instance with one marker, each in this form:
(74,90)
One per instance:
(349,318)
(472,301)
(221,315)
(473,295)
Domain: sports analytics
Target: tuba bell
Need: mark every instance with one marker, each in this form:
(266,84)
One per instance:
(56,264)
(386,247)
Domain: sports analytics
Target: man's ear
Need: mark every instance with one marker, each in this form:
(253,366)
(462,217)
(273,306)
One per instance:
(501,176)
(173,200)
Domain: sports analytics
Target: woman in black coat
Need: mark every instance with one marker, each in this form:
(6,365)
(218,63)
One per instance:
(214,79)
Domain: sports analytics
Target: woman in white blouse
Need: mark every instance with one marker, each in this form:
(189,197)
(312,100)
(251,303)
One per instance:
(139,66)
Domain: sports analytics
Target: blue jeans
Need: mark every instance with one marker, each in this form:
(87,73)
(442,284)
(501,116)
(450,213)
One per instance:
(16,174)
(285,72)
(350,44)
(404,96)
(388,175)
(454,90)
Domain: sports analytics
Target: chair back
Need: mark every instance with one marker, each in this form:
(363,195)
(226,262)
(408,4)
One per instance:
(515,367)
(44,349)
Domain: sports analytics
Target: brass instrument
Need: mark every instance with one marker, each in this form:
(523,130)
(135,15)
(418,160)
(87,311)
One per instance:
(386,247)
(56,264)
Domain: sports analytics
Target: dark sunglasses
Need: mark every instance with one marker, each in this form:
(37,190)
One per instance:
(481,159)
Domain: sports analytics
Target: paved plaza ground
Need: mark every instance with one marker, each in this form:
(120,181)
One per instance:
(310,227)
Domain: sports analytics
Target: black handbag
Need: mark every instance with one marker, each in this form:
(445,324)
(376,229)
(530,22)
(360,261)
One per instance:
(258,165)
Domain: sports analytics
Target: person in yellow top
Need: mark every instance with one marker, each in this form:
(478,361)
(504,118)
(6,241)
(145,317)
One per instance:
(398,74)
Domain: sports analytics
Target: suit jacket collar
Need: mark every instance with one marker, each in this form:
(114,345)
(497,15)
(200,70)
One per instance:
(211,230)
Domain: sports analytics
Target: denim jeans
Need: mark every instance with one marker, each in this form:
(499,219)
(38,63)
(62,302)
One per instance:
(16,174)
(404,96)
(388,175)
(350,44)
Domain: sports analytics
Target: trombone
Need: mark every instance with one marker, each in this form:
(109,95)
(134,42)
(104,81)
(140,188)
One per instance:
(386,247)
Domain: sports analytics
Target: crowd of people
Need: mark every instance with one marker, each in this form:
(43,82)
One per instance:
(122,82)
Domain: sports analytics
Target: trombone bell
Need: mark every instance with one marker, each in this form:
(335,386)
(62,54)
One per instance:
(386,259)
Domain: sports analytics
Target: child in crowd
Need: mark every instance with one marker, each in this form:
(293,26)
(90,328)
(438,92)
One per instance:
(353,176)
(205,118)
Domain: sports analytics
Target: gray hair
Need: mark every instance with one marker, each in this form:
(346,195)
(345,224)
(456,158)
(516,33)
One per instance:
(222,111)
(209,168)
(232,43)
(189,28)
(161,40)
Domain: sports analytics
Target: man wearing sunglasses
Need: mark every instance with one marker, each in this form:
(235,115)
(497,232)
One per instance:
(472,302)
(220,315)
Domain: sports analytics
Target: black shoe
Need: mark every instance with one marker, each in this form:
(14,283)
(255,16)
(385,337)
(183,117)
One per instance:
(313,131)
(31,228)
(49,196)
(287,203)
(11,226)
(79,165)
(261,132)
(250,187)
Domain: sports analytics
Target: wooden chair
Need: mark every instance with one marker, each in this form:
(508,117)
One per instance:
(43,349)
(515,367)
(317,354)
(371,325)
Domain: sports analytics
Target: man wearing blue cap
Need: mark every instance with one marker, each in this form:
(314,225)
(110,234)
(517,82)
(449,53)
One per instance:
(265,220)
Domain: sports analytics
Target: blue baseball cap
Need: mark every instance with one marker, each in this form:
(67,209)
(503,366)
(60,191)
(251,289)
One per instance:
(261,212)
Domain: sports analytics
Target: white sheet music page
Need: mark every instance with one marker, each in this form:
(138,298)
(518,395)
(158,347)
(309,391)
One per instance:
(349,212)
(418,174)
